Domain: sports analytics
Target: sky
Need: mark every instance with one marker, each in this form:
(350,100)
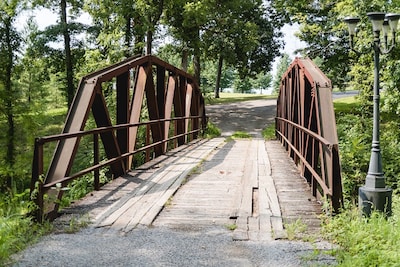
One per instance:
(292,43)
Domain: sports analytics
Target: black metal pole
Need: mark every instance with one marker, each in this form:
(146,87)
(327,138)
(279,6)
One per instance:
(375,195)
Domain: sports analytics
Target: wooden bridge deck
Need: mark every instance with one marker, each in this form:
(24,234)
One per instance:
(250,185)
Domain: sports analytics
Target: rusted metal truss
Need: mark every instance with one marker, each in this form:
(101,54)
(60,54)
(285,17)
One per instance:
(306,126)
(175,114)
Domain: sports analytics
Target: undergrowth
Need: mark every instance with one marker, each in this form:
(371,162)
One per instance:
(269,132)
(362,241)
(365,241)
(17,230)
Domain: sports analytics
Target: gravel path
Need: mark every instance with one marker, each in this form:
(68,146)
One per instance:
(191,246)
(168,247)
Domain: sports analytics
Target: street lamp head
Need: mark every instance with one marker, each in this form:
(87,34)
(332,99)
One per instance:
(393,21)
(386,28)
(352,24)
(377,19)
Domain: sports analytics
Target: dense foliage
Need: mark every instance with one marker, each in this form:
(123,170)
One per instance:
(364,241)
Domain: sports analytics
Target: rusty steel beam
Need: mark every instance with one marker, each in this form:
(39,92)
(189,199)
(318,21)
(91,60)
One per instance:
(172,93)
(123,96)
(305,104)
(152,107)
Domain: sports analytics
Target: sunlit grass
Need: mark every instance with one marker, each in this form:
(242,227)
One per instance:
(241,134)
(346,104)
(364,241)
(269,132)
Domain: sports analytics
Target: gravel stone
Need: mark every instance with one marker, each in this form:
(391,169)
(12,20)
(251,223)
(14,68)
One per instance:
(160,246)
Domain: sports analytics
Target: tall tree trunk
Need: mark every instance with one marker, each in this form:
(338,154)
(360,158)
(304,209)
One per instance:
(149,42)
(68,55)
(196,59)
(10,156)
(197,68)
(185,56)
(219,72)
(128,35)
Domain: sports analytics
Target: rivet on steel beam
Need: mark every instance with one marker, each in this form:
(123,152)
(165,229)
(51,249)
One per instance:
(91,81)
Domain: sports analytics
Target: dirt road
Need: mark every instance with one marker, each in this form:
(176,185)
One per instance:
(249,116)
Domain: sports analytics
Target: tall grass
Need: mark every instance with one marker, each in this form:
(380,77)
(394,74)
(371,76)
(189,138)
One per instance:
(17,230)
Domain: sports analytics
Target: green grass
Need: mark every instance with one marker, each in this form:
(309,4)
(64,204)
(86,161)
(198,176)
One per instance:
(295,228)
(362,241)
(231,227)
(240,134)
(269,132)
(17,230)
(346,105)
(212,131)
(373,241)
(236,97)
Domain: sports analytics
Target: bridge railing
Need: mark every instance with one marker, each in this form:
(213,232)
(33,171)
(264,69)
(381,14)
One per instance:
(306,126)
(175,113)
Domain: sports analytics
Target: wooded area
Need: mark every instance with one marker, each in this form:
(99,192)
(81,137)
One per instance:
(217,41)
(222,43)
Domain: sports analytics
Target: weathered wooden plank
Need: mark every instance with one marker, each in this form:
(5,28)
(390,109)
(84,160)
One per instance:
(172,175)
(241,231)
(265,227)
(148,218)
(277,228)
(151,179)
(119,208)
(273,197)
(253,228)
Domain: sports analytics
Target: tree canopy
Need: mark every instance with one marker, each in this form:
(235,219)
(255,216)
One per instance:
(325,33)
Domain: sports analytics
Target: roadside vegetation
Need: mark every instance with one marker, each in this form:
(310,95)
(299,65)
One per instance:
(373,241)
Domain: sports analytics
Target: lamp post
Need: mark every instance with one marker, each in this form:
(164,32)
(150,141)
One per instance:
(375,194)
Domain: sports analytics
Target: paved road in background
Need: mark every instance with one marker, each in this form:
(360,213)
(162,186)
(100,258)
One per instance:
(337,95)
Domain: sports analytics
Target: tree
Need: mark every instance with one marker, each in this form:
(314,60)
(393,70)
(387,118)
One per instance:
(151,11)
(326,36)
(65,28)
(281,68)
(242,34)
(9,46)
(242,85)
(263,81)
(184,20)
(112,31)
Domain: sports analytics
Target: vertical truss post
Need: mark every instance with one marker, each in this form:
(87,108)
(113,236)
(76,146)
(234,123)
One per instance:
(123,96)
